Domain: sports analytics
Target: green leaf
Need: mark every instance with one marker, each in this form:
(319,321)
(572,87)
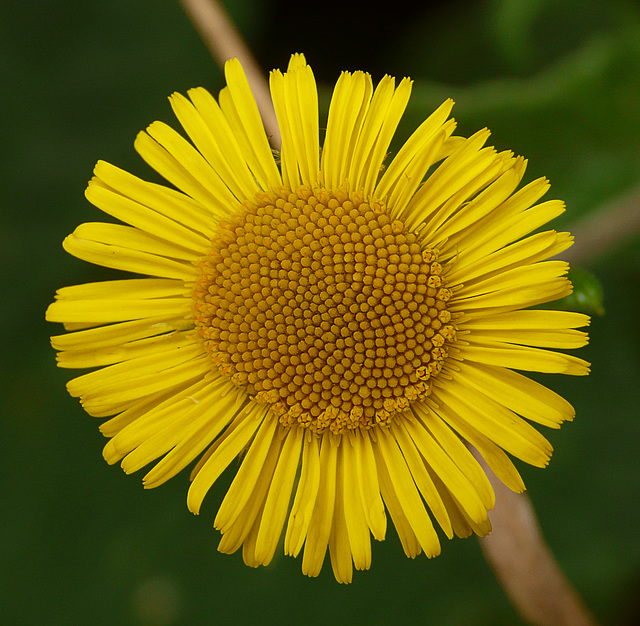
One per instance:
(587,296)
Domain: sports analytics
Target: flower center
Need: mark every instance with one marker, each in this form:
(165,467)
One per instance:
(325,307)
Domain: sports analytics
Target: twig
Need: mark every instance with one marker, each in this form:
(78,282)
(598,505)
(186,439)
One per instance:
(606,227)
(524,564)
(224,41)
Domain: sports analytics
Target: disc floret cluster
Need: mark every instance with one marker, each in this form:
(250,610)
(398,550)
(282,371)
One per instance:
(325,307)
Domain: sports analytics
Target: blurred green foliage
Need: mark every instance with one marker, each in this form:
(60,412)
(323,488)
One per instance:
(556,80)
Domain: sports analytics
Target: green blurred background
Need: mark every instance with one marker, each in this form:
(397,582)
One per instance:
(81,543)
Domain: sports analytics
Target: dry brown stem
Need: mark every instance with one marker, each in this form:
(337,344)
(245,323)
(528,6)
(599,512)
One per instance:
(524,564)
(605,228)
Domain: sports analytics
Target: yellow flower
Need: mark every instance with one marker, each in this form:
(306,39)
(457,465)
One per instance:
(340,326)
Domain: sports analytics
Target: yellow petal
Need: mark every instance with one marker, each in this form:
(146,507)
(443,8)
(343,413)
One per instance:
(379,125)
(296,103)
(545,286)
(355,522)
(398,184)
(495,421)
(347,110)
(245,527)
(563,339)
(438,457)
(319,531)
(145,417)
(213,416)
(527,359)
(240,108)
(168,202)
(163,376)
(512,222)
(278,499)
(418,468)
(114,335)
(465,172)
(132,289)
(463,459)
(367,480)
(226,448)
(99,357)
(170,166)
(135,252)
(530,320)
(518,393)
(406,534)
(179,242)
(246,478)
(408,497)
(232,137)
(305,499)
(520,276)
(203,406)
(339,548)
(408,167)
(469,266)
(494,456)
(128,415)
(487,201)
(95,311)
(214,139)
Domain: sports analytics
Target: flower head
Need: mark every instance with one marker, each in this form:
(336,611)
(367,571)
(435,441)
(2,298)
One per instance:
(340,325)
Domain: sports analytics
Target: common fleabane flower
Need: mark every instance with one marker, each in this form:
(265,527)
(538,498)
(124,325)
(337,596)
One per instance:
(341,326)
